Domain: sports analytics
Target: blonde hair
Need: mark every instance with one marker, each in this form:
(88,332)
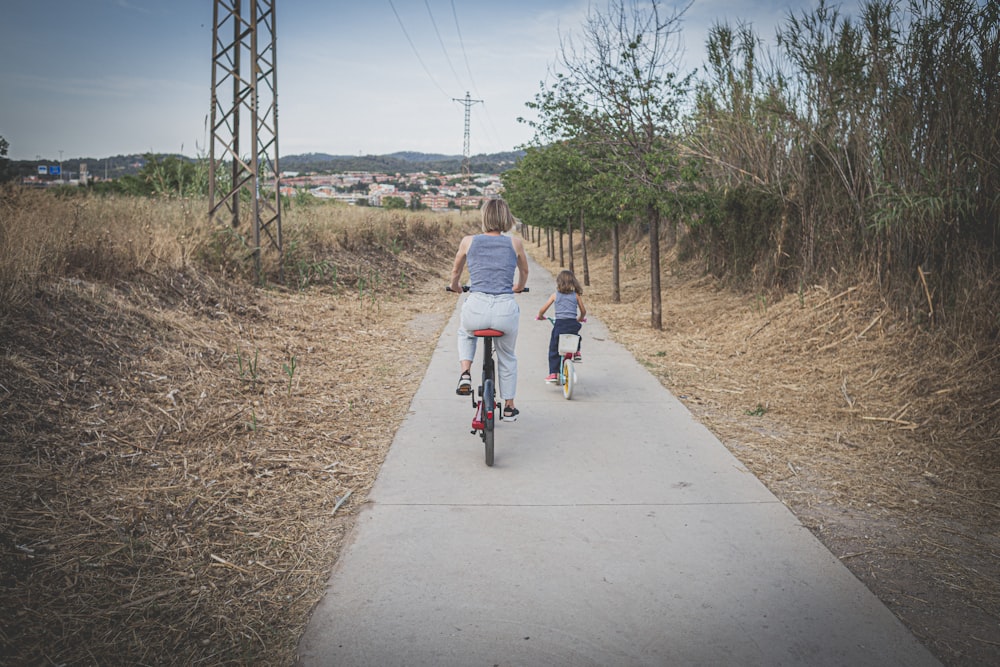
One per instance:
(497,216)
(566,282)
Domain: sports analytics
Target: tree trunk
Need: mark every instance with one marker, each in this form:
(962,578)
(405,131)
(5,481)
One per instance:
(569,230)
(616,292)
(583,251)
(562,255)
(656,313)
(550,239)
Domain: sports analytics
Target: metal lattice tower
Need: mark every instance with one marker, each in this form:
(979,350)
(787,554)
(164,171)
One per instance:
(245,81)
(468,102)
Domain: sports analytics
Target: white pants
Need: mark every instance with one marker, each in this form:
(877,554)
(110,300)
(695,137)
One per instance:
(492,311)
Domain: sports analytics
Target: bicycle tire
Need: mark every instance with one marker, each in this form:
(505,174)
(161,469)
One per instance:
(568,378)
(489,407)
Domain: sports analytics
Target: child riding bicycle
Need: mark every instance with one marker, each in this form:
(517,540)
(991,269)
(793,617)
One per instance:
(568,303)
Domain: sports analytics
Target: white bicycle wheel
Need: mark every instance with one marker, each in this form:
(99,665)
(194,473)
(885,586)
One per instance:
(568,378)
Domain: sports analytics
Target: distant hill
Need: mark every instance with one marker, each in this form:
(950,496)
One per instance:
(402,162)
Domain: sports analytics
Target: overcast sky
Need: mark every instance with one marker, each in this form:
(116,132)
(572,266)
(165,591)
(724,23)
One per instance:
(95,78)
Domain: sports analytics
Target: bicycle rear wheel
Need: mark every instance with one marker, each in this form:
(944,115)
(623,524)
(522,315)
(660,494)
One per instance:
(489,408)
(568,377)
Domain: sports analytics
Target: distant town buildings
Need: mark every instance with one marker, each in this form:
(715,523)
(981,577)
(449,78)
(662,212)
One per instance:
(433,190)
(428,190)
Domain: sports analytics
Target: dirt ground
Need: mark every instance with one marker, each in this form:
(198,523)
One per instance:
(182,459)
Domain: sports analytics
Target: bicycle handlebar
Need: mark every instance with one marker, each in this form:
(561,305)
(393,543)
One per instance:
(553,320)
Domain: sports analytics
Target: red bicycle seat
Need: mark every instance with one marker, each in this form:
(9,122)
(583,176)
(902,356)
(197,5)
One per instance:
(487,332)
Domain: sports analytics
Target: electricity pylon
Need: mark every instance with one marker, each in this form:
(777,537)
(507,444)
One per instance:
(468,102)
(244,65)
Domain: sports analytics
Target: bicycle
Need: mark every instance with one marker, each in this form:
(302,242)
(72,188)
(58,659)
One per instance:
(568,346)
(484,420)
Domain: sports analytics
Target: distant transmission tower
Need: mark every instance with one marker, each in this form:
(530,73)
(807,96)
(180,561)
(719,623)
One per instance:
(466,164)
(245,79)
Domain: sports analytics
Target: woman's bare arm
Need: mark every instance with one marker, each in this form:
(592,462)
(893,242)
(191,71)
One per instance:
(459,266)
(522,265)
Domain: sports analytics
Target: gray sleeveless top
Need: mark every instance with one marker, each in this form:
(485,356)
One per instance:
(492,262)
(566,306)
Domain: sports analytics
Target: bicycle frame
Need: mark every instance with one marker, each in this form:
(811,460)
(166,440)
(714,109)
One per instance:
(567,369)
(484,419)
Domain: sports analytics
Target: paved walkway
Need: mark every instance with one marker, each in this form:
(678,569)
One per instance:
(612,530)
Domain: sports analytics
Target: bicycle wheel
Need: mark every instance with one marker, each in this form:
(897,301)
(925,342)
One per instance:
(489,407)
(568,378)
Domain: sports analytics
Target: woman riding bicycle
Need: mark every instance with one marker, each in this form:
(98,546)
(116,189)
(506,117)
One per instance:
(492,259)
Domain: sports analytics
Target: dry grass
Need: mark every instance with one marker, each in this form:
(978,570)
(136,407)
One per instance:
(45,236)
(110,238)
(182,454)
(174,490)
(881,436)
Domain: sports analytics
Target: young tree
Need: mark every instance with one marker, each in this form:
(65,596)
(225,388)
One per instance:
(621,91)
(531,191)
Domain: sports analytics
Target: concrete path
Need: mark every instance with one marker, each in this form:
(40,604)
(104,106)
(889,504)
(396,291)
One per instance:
(612,530)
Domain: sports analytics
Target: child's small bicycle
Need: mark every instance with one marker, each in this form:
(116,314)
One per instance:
(568,346)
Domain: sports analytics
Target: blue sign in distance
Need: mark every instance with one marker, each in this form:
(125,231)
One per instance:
(54,170)
(42,169)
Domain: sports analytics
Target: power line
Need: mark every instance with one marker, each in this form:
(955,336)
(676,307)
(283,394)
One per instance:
(461,43)
(465,56)
(415,52)
(489,127)
(441,42)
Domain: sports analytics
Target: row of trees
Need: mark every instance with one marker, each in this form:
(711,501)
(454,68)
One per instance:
(867,147)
